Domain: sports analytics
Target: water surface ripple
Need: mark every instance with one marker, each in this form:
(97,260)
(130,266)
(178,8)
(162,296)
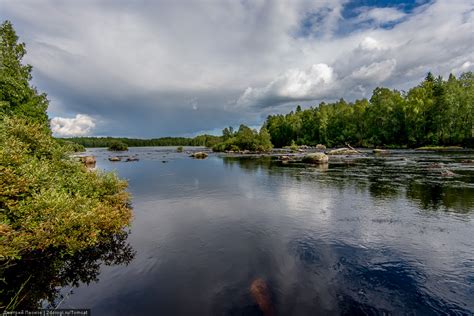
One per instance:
(365,236)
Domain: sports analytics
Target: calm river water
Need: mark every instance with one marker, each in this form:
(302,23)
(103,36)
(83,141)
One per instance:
(366,235)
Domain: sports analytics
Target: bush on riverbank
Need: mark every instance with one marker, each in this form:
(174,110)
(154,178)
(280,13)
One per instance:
(71,146)
(244,139)
(48,201)
(117,146)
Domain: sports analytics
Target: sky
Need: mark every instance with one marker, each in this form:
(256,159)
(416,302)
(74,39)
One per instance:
(140,68)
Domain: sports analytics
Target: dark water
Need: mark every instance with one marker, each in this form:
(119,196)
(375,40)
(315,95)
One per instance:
(364,236)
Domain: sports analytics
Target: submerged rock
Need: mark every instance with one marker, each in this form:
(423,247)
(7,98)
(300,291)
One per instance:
(316,158)
(343,151)
(435,165)
(379,151)
(199,155)
(262,296)
(132,159)
(115,159)
(447,173)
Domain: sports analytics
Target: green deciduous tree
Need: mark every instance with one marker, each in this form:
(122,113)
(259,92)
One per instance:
(436,112)
(17,96)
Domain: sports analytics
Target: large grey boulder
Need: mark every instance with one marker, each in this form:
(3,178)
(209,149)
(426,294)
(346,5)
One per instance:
(343,151)
(316,158)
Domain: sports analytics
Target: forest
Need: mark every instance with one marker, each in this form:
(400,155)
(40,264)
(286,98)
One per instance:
(201,140)
(437,112)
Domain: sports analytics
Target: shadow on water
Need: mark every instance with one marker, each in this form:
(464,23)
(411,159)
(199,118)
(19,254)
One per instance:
(37,279)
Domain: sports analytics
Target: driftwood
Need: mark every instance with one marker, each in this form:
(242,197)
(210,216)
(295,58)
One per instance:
(352,148)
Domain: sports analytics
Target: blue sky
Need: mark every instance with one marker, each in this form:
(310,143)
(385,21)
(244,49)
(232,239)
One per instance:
(159,68)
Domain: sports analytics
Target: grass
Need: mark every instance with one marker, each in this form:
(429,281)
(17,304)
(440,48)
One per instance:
(439,148)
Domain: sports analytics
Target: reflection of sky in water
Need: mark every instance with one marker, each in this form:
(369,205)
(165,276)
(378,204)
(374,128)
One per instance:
(360,237)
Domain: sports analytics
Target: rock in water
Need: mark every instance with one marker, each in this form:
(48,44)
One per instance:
(320,147)
(89,161)
(378,151)
(200,155)
(316,158)
(114,159)
(132,159)
(261,294)
(343,151)
(447,173)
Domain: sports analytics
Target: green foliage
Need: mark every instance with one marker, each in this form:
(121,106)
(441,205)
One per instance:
(48,201)
(17,97)
(436,112)
(71,146)
(439,148)
(179,149)
(294,147)
(244,139)
(117,146)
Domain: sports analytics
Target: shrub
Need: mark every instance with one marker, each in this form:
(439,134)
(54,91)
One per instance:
(179,149)
(117,146)
(293,147)
(50,201)
(71,146)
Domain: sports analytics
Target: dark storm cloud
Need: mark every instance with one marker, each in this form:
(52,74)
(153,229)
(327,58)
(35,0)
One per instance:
(156,68)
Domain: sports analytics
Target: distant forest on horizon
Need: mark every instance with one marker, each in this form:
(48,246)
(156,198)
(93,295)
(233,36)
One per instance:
(437,112)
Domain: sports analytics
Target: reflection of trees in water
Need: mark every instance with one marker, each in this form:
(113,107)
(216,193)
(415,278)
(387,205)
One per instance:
(40,276)
(436,196)
(381,180)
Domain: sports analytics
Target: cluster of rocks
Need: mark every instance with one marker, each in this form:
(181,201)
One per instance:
(127,159)
(443,170)
(199,155)
(323,157)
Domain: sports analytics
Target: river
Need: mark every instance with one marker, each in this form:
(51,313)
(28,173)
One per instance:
(366,235)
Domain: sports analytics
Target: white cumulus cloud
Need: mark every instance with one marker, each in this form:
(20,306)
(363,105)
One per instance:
(375,72)
(294,84)
(369,44)
(78,126)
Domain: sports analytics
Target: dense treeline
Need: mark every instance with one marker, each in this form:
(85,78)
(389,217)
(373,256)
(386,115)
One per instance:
(436,112)
(244,138)
(201,140)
